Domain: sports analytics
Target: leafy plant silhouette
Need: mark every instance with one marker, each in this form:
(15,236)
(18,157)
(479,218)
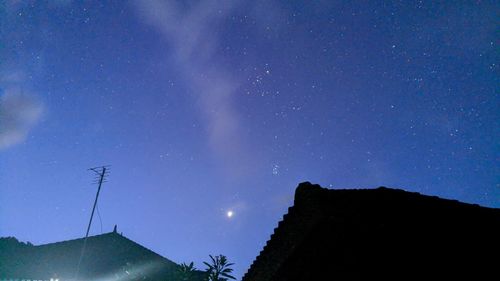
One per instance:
(219,269)
(186,271)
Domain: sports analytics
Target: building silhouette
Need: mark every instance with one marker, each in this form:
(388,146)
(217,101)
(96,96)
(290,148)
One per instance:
(110,256)
(379,234)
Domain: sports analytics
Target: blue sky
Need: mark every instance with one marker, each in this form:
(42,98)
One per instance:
(201,107)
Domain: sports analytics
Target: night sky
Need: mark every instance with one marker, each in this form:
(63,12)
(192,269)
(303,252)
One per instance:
(208,107)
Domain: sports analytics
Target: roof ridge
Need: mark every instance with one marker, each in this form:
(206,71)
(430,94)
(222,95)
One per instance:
(308,188)
(112,233)
(72,240)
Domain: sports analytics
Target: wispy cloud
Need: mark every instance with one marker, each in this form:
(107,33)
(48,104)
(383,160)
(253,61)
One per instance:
(19,112)
(193,33)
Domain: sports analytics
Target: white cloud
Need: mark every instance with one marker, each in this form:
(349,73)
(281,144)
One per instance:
(19,112)
(193,34)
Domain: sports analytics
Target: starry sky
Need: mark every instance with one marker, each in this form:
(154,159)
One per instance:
(208,107)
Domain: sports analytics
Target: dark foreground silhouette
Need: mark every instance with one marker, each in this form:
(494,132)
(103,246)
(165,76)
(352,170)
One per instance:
(109,256)
(380,234)
(371,234)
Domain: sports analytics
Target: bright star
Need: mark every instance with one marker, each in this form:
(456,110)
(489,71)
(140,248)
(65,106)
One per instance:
(229,214)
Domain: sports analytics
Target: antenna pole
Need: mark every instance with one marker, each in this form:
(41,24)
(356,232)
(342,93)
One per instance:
(101,173)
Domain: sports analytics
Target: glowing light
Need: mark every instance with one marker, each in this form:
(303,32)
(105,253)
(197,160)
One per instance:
(229,214)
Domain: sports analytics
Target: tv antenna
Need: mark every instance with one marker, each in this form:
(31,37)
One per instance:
(101,174)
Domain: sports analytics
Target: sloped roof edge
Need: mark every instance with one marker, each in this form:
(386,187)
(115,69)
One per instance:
(305,194)
(93,237)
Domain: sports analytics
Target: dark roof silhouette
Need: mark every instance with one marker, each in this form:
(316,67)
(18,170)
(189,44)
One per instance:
(109,256)
(379,234)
